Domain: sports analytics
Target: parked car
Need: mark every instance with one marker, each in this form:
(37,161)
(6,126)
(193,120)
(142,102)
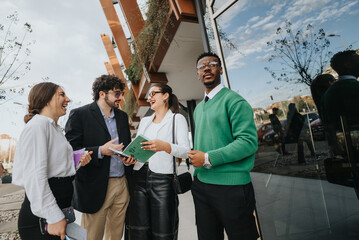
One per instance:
(270,137)
(317,130)
(263,129)
(312,116)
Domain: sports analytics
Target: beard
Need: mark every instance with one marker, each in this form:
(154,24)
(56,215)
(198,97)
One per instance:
(213,83)
(112,104)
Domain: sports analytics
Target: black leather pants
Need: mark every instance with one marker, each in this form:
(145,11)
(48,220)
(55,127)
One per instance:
(153,207)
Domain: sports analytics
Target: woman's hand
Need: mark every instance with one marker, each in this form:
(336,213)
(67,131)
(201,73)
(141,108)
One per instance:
(86,158)
(129,160)
(157,146)
(58,229)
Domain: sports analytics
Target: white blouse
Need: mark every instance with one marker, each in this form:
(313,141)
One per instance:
(162,162)
(42,152)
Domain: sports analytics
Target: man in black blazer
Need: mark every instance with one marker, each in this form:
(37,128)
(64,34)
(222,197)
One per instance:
(100,188)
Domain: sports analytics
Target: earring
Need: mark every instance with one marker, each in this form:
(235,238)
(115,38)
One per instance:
(164,101)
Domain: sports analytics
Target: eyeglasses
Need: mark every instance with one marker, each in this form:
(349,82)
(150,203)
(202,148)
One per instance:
(211,65)
(153,93)
(117,94)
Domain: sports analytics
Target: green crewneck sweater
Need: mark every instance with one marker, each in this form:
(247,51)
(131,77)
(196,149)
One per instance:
(225,129)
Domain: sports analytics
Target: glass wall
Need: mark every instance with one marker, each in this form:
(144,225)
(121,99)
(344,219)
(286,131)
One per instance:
(273,50)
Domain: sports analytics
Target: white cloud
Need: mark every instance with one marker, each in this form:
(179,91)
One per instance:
(240,6)
(253,19)
(277,8)
(271,26)
(68,48)
(304,7)
(263,21)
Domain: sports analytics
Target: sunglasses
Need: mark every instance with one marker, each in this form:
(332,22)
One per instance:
(117,94)
(153,93)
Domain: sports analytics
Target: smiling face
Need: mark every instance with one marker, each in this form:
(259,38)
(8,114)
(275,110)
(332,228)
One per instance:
(208,72)
(113,98)
(58,103)
(156,98)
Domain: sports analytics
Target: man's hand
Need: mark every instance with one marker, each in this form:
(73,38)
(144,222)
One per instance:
(58,229)
(157,146)
(128,161)
(105,151)
(196,157)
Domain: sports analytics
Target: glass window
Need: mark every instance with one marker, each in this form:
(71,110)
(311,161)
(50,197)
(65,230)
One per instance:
(273,51)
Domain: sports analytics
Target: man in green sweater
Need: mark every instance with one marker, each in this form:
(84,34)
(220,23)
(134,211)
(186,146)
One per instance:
(225,143)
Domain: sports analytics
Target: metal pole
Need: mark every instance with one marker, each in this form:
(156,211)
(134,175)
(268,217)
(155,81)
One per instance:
(191,105)
(219,46)
(202,24)
(343,41)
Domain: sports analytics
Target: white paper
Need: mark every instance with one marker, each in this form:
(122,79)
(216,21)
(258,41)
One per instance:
(76,232)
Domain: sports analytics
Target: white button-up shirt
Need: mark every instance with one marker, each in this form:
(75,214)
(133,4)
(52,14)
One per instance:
(162,162)
(42,152)
(214,92)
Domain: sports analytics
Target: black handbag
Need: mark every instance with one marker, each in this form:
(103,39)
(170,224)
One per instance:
(181,183)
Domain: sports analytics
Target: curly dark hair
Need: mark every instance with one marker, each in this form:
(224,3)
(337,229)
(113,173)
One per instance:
(340,60)
(106,83)
(209,54)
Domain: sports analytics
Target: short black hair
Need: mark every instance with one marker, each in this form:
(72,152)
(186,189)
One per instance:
(275,109)
(106,83)
(209,54)
(339,62)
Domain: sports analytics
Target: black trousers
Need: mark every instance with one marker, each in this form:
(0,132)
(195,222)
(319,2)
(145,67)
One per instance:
(300,146)
(223,207)
(153,207)
(28,223)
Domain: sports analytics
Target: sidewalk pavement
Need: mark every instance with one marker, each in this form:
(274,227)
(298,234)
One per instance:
(8,203)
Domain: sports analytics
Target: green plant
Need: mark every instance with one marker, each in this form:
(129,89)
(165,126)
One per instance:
(130,103)
(147,43)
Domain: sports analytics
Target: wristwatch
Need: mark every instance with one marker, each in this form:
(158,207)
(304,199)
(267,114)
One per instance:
(207,164)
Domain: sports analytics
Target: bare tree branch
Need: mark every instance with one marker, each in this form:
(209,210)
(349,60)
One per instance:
(303,54)
(13,54)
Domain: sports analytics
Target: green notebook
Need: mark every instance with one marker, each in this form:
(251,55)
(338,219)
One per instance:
(134,148)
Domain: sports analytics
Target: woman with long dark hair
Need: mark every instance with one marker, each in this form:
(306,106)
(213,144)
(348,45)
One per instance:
(154,203)
(44,164)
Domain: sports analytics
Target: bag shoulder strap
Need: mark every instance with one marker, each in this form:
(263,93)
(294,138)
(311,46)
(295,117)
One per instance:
(173,141)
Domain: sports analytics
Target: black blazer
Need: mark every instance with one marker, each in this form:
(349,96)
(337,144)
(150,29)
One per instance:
(86,128)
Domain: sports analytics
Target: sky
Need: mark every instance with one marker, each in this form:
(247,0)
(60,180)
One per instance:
(68,50)
(250,24)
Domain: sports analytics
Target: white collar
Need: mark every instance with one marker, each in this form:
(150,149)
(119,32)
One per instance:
(344,77)
(168,115)
(51,121)
(213,92)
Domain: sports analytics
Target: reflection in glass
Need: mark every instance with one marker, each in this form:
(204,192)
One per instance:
(295,201)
